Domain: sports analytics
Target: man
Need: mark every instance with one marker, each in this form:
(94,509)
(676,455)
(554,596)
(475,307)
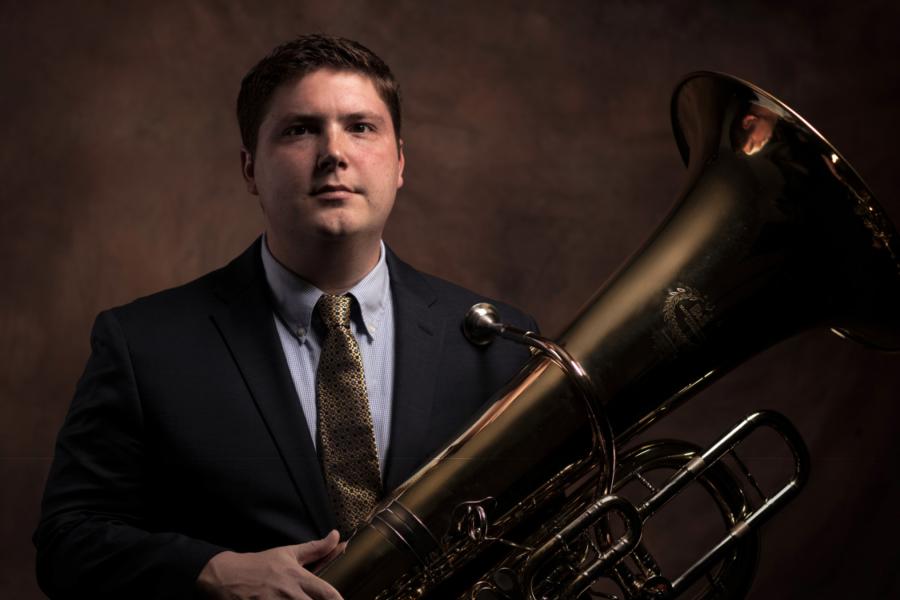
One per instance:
(207,446)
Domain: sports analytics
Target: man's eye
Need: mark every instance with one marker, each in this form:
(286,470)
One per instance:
(361,128)
(296,130)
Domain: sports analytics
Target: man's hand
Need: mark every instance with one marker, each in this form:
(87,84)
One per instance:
(277,573)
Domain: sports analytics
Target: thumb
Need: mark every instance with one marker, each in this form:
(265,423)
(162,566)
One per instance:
(317,549)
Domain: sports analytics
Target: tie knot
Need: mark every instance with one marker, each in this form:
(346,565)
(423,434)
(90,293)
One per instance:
(334,310)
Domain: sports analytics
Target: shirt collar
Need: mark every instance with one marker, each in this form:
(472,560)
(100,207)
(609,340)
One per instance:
(296,298)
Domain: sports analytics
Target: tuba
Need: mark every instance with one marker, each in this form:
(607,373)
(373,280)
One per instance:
(773,233)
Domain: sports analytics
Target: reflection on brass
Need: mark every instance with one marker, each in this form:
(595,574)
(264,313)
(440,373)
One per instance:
(773,233)
(755,128)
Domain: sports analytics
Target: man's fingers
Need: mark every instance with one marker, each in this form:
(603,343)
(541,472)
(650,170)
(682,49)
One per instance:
(317,549)
(318,589)
(319,565)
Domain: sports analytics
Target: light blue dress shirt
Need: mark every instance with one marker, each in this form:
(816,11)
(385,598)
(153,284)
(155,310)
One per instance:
(372,324)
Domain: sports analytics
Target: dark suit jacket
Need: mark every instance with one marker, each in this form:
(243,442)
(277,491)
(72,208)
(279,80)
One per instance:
(186,437)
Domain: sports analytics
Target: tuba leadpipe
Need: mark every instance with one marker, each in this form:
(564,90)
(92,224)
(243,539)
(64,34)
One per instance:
(773,233)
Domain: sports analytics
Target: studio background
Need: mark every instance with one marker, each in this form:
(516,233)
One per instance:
(539,157)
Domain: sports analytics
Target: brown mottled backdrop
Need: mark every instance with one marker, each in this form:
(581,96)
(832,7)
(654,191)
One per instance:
(539,156)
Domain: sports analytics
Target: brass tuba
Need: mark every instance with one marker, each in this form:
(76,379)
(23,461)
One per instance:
(772,234)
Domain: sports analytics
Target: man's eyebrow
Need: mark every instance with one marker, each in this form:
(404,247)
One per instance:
(362,116)
(300,117)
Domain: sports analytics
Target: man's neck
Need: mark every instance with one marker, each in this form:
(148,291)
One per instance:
(332,266)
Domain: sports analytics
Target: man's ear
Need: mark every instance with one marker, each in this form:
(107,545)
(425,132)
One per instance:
(402,163)
(247,170)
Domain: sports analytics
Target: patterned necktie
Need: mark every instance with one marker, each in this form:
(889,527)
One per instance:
(346,435)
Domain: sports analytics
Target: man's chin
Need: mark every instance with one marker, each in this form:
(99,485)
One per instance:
(343,233)
(334,231)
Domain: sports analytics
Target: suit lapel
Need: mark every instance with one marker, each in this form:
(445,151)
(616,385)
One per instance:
(247,325)
(418,341)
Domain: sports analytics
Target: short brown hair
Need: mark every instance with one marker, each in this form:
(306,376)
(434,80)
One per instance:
(299,57)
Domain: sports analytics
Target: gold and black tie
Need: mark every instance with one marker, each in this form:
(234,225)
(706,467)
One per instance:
(346,435)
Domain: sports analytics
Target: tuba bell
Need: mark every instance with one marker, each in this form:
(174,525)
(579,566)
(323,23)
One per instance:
(772,234)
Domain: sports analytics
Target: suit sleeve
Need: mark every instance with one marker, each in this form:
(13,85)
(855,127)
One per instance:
(96,537)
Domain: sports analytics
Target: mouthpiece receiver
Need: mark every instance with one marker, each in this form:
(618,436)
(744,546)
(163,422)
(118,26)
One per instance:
(482,324)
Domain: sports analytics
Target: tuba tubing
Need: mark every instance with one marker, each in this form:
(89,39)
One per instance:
(773,233)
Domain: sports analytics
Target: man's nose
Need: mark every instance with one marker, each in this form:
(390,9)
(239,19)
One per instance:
(331,151)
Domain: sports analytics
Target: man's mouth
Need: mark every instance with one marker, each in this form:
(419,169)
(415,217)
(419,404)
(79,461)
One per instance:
(330,189)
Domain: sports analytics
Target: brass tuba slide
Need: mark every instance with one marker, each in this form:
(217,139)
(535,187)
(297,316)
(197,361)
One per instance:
(772,234)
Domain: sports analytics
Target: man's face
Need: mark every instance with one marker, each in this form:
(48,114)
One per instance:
(328,163)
